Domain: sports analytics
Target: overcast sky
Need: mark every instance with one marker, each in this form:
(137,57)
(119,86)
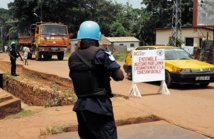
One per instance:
(134,3)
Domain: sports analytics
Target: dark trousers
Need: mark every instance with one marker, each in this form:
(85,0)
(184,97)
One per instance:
(13,66)
(96,126)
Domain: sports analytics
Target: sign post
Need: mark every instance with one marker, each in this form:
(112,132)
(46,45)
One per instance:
(147,66)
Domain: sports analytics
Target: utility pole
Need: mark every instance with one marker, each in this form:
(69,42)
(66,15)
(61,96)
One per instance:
(176,22)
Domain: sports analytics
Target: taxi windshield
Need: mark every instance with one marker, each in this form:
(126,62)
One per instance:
(173,54)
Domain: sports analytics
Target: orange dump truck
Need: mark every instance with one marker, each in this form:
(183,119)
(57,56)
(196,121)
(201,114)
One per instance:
(45,40)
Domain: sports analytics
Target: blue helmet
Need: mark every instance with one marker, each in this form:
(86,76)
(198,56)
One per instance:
(89,30)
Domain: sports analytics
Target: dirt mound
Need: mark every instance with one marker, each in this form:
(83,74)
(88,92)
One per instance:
(38,89)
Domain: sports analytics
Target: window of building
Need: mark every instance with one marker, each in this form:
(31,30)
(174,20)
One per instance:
(189,41)
(132,45)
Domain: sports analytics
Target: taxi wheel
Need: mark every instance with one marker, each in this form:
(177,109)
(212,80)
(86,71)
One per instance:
(168,79)
(129,73)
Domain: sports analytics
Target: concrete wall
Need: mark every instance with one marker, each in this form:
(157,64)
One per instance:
(127,44)
(73,43)
(120,48)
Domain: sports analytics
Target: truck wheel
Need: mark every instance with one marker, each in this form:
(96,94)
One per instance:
(129,73)
(38,56)
(60,55)
(48,57)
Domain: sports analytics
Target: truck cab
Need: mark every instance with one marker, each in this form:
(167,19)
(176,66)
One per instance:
(46,39)
(50,39)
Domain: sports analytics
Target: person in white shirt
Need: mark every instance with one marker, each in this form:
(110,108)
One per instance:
(5,48)
(26,50)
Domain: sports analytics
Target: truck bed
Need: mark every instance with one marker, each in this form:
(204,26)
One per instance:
(25,39)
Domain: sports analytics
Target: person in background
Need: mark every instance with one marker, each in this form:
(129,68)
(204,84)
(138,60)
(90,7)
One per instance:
(13,55)
(5,48)
(91,70)
(26,51)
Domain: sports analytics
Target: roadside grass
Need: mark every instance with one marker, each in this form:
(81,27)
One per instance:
(22,113)
(119,56)
(53,130)
(67,54)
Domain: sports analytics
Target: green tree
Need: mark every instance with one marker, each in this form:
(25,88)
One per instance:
(12,29)
(128,18)
(160,16)
(140,23)
(187,13)
(101,11)
(5,25)
(117,30)
(106,15)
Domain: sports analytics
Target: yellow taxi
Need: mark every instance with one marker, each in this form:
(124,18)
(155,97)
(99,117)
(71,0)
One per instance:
(180,67)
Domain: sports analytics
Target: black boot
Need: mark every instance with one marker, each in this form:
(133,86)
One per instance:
(14,74)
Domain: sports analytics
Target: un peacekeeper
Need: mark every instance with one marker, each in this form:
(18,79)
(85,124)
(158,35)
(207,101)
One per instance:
(90,70)
(13,55)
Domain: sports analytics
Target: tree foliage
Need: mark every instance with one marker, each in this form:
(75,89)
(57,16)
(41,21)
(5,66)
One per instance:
(117,30)
(6,24)
(160,16)
(71,13)
(114,19)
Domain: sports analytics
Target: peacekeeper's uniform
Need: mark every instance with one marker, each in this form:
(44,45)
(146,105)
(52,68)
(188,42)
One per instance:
(13,57)
(92,87)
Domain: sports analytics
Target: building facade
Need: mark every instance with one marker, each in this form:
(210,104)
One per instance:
(128,43)
(190,36)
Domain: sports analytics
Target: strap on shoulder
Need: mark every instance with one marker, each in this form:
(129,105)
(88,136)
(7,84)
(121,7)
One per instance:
(84,60)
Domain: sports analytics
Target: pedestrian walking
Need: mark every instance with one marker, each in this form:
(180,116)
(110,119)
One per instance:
(13,55)
(26,51)
(91,69)
(5,48)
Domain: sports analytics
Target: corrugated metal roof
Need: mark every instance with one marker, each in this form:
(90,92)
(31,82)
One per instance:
(122,39)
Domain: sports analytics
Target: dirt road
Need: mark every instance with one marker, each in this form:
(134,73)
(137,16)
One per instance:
(188,106)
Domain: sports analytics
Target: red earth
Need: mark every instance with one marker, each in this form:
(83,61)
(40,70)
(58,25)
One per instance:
(188,106)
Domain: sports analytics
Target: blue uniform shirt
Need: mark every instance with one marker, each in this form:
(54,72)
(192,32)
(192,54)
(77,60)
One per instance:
(99,105)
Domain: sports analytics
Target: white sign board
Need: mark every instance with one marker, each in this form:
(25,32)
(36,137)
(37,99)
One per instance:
(148,65)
